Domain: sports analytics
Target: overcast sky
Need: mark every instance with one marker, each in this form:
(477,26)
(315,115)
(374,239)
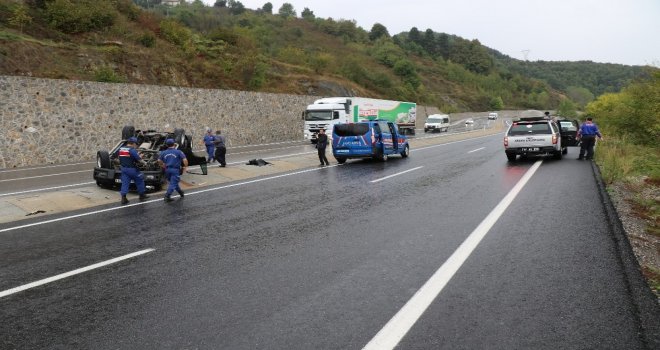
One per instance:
(609,31)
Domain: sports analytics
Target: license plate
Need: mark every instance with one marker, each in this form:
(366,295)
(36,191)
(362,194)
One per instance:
(118,181)
(530,149)
(341,151)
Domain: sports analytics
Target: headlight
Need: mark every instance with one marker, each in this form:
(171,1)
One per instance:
(149,177)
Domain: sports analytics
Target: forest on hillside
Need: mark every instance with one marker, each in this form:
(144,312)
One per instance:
(283,50)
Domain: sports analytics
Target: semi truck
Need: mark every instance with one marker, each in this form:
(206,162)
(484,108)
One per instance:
(326,112)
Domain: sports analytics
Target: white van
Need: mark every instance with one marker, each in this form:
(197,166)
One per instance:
(492,116)
(437,122)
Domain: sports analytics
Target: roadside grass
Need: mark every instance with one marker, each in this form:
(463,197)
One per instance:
(637,168)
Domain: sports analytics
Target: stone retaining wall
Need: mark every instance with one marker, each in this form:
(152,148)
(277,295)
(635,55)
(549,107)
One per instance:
(45,121)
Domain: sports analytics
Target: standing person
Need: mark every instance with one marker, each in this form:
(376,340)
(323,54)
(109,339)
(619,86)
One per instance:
(321,144)
(210,146)
(220,149)
(587,135)
(171,160)
(129,160)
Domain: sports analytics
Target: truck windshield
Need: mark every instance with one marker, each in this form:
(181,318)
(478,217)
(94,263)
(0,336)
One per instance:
(434,120)
(344,130)
(318,115)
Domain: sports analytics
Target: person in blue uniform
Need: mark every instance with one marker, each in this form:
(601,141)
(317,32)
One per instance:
(129,159)
(587,135)
(172,160)
(210,146)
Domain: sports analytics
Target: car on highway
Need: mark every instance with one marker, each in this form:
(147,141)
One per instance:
(534,136)
(469,121)
(377,139)
(492,116)
(107,172)
(437,122)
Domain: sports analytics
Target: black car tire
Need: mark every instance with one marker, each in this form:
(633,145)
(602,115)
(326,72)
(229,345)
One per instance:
(127,131)
(564,151)
(405,152)
(103,160)
(180,137)
(340,160)
(558,155)
(511,157)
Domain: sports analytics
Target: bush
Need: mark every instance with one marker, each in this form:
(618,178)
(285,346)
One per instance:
(147,40)
(79,16)
(106,74)
(175,33)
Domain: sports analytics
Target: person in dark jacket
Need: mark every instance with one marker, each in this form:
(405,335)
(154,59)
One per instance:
(172,160)
(587,135)
(220,149)
(321,144)
(129,159)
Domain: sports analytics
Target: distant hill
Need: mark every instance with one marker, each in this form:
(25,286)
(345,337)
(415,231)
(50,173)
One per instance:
(231,47)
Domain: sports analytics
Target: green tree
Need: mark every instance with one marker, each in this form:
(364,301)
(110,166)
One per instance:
(496,103)
(287,10)
(19,17)
(428,41)
(220,3)
(567,108)
(236,7)
(378,31)
(414,35)
(307,14)
(582,96)
(267,8)
(80,15)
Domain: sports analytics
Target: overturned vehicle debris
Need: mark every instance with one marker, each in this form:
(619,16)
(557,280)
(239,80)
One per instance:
(107,172)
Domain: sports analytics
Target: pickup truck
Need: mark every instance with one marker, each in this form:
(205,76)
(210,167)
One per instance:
(376,139)
(537,136)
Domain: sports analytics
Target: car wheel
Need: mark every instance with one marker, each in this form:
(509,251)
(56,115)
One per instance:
(103,160)
(511,157)
(383,157)
(180,137)
(426,130)
(558,155)
(564,151)
(127,131)
(406,152)
(340,160)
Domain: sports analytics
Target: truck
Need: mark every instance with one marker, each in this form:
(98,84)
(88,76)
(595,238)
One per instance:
(537,136)
(326,112)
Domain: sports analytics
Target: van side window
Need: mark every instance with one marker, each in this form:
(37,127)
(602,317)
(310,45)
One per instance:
(344,130)
(384,127)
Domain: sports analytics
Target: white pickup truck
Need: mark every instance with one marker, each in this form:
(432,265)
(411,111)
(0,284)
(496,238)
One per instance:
(534,137)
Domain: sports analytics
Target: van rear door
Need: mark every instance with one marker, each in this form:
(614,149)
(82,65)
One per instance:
(351,139)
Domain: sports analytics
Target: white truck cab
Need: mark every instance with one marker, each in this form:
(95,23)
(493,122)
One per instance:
(324,114)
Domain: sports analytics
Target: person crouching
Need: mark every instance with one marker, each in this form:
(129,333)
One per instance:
(172,160)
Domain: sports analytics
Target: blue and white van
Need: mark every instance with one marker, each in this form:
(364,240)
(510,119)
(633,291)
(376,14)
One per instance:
(376,139)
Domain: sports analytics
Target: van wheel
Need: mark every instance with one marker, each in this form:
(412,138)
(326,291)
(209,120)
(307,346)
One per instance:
(383,157)
(511,157)
(340,160)
(406,152)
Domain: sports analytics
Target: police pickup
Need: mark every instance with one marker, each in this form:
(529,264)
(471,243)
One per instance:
(537,136)
(107,172)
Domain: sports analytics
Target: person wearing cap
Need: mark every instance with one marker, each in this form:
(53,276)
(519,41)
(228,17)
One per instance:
(210,146)
(129,159)
(220,149)
(172,160)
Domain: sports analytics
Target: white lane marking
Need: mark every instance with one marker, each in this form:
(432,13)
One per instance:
(392,333)
(451,143)
(47,188)
(397,174)
(42,167)
(40,176)
(161,199)
(71,273)
(478,149)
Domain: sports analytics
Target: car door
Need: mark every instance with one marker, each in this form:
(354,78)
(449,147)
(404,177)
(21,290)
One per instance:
(568,130)
(386,137)
(395,137)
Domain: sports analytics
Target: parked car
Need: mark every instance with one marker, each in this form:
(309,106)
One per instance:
(107,172)
(535,136)
(376,139)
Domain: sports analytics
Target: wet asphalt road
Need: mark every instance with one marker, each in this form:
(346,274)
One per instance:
(322,259)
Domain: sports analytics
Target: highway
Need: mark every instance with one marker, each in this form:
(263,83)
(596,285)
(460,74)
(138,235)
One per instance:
(451,248)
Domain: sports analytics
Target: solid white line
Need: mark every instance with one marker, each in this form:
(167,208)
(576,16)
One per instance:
(46,189)
(160,199)
(43,167)
(71,273)
(397,174)
(39,176)
(392,333)
(478,149)
(450,143)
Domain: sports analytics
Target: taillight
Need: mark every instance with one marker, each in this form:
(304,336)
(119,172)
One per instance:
(554,139)
(506,141)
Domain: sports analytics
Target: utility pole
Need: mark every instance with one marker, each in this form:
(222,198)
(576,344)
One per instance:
(525,53)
